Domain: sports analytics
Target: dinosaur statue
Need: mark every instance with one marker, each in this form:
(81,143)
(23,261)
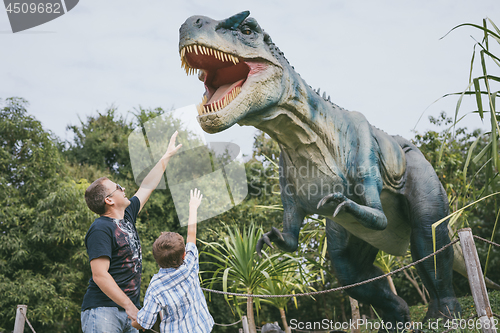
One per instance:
(378,191)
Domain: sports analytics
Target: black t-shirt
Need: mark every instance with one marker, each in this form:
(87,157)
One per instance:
(118,240)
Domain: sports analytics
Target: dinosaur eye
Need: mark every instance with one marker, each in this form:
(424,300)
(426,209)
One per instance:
(246,31)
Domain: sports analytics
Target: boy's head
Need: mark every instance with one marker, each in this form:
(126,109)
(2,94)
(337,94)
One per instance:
(169,250)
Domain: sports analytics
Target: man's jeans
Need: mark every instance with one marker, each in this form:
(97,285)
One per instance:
(106,320)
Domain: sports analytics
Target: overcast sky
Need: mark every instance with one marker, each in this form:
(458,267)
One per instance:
(382,58)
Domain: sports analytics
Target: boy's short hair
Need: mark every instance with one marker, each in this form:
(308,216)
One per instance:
(168,250)
(95,195)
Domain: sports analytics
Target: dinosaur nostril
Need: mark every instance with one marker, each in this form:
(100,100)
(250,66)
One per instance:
(198,23)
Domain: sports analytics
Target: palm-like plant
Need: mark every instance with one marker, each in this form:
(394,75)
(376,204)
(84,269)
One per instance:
(295,279)
(386,262)
(482,87)
(243,271)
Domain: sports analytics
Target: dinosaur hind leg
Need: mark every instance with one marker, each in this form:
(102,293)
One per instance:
(443,302)
(352,260)
(428,203)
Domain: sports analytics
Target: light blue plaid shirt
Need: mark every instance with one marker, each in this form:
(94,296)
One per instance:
(177,293)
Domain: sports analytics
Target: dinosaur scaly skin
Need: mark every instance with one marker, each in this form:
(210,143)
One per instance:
(379,190)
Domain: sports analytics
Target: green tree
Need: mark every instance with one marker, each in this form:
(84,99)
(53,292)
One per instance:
(42,221)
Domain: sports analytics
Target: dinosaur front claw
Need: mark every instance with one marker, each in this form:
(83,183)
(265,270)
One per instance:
(337,198)
(267,238)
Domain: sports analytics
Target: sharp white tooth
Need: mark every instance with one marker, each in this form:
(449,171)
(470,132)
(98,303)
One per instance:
(201,47)
(195,49)
(225,56)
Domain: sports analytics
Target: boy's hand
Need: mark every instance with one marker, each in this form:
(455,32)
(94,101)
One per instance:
(194,203)
(136,325)
(195,200)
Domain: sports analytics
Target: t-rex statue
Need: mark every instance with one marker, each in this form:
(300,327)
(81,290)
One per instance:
(378,190)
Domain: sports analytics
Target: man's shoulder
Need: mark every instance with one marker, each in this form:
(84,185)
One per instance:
(101,223)
(133,209)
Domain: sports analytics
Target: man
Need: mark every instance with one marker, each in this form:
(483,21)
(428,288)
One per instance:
(112,298)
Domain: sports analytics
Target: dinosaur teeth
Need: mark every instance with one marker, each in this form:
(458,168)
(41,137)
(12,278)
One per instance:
(207,51)
(204,109)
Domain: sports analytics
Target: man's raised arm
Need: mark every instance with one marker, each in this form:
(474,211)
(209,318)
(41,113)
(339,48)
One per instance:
(153,178)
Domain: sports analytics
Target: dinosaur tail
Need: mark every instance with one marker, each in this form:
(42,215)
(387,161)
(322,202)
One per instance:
(459,264)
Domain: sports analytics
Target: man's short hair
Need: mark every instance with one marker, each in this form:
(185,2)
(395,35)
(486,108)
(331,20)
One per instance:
(95,195)
(168,250)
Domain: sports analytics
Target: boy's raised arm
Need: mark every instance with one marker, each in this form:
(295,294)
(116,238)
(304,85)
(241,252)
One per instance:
(194,203)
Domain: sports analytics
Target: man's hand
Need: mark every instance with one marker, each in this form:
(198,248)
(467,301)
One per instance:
(172,149)
(154,176)
(132,312)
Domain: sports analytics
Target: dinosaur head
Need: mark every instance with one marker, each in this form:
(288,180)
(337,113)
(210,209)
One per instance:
(237,62)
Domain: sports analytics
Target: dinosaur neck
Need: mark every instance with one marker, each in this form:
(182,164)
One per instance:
(301,118)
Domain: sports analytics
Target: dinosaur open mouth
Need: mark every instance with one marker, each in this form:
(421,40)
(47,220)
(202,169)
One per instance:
(222,73)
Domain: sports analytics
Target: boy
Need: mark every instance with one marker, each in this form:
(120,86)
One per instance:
(175,290)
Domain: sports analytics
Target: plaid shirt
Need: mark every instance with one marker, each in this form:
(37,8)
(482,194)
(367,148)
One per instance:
(176,292)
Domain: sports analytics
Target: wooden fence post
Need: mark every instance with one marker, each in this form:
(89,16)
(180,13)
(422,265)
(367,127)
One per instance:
(244,321)
(476,281)
(355,315)
(19,324)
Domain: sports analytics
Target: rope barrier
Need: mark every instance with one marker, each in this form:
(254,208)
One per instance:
(486,241)
(338,288)
(25,318)
(226,325)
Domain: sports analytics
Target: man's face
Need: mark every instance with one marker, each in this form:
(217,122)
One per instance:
(116,195)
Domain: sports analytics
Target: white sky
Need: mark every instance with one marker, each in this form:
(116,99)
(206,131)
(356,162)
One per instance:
(382,58)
